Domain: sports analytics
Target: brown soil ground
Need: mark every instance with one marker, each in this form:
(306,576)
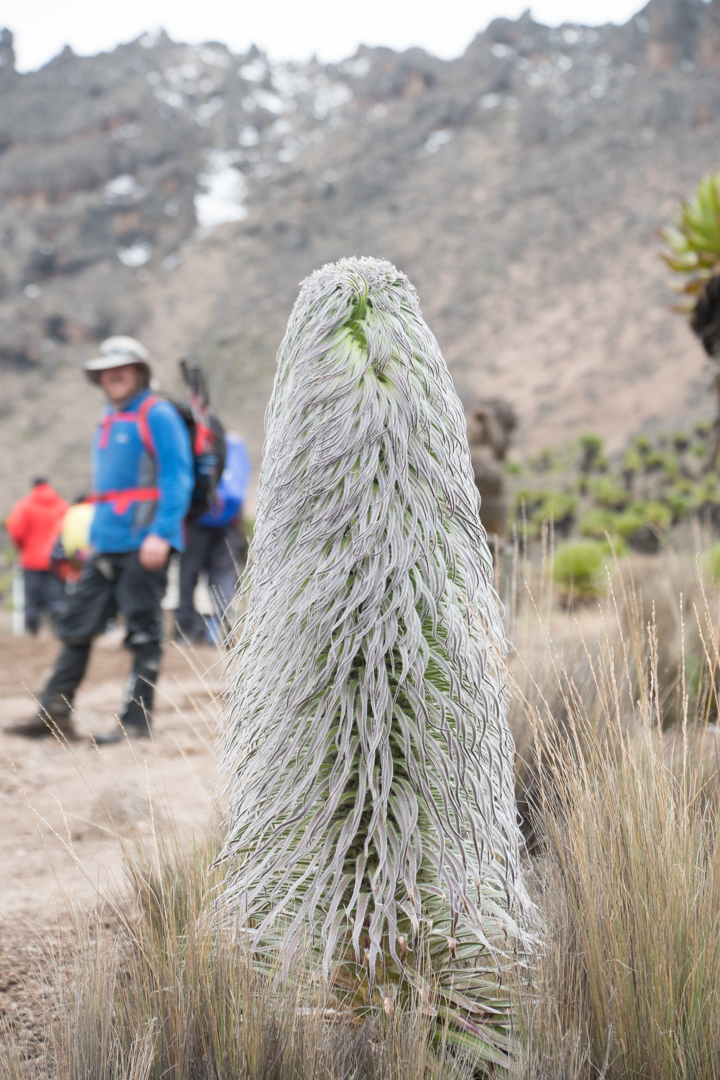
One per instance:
(68,810)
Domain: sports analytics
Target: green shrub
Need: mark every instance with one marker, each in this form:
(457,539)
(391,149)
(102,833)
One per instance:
(530,500)
(702,428)
(681,441)
(679,503)
(542,462)
(700,448)
(706,495)
(654,515)
(597,523)
(642,524)
(658,461)
(632,461)
(558,507)
(591,443)
(591,447)
(628,523)
(657,515)
(643,444)
(609,494)
(579,568)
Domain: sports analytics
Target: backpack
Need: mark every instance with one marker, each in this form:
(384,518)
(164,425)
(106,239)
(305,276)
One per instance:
(209,449)
(233,486)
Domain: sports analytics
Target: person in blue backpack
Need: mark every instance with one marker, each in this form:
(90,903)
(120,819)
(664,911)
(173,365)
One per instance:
(143,478)
(213,544)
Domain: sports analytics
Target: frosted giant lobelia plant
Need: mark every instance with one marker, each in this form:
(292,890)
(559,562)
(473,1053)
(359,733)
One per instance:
(368,760)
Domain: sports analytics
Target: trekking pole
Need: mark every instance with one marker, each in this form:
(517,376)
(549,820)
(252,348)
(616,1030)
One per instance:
(18,600)
(199,406)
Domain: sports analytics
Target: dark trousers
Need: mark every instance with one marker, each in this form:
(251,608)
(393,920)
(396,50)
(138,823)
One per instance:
(215,551)
(110,584)
(43,592)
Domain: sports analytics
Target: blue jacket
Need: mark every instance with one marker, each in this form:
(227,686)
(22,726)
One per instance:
(121,462)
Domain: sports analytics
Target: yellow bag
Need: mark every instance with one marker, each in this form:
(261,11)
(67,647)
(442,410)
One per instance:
(76,530)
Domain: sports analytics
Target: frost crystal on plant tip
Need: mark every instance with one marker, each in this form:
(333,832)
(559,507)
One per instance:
(367,756)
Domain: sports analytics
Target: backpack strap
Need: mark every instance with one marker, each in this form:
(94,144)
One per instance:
(111,417)
(144,426)
(139,418)
(204,438)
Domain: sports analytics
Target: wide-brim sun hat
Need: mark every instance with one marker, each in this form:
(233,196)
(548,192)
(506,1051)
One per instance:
(117,352)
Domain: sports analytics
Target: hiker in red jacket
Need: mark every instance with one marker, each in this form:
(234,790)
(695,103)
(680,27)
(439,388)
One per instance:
(33,526)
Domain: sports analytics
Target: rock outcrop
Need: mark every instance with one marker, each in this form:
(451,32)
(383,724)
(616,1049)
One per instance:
(490,427)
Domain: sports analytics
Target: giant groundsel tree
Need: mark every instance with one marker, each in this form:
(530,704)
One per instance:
(368,760)
(693,251)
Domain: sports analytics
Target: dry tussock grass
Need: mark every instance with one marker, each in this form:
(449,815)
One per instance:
(621,783)
(171,993)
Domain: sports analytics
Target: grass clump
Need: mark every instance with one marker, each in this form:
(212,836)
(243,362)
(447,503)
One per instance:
(632,892)
(628,882)
(170,992)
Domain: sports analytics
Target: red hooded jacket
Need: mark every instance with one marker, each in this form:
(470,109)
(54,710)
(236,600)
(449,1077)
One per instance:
(33,525)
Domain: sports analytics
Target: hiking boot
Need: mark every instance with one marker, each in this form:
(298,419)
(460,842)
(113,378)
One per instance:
(42,726)
(119,734)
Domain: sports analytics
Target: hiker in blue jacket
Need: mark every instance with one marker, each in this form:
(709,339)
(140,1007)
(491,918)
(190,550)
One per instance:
(142,484)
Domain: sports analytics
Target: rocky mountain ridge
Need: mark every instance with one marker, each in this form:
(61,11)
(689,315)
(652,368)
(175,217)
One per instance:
(180,193)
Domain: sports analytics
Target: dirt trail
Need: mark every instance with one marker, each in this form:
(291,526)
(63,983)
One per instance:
(66,809)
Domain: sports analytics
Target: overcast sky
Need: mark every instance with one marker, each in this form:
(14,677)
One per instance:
(286,29)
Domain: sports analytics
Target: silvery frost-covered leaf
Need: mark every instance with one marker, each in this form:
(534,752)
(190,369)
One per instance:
(367,757)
